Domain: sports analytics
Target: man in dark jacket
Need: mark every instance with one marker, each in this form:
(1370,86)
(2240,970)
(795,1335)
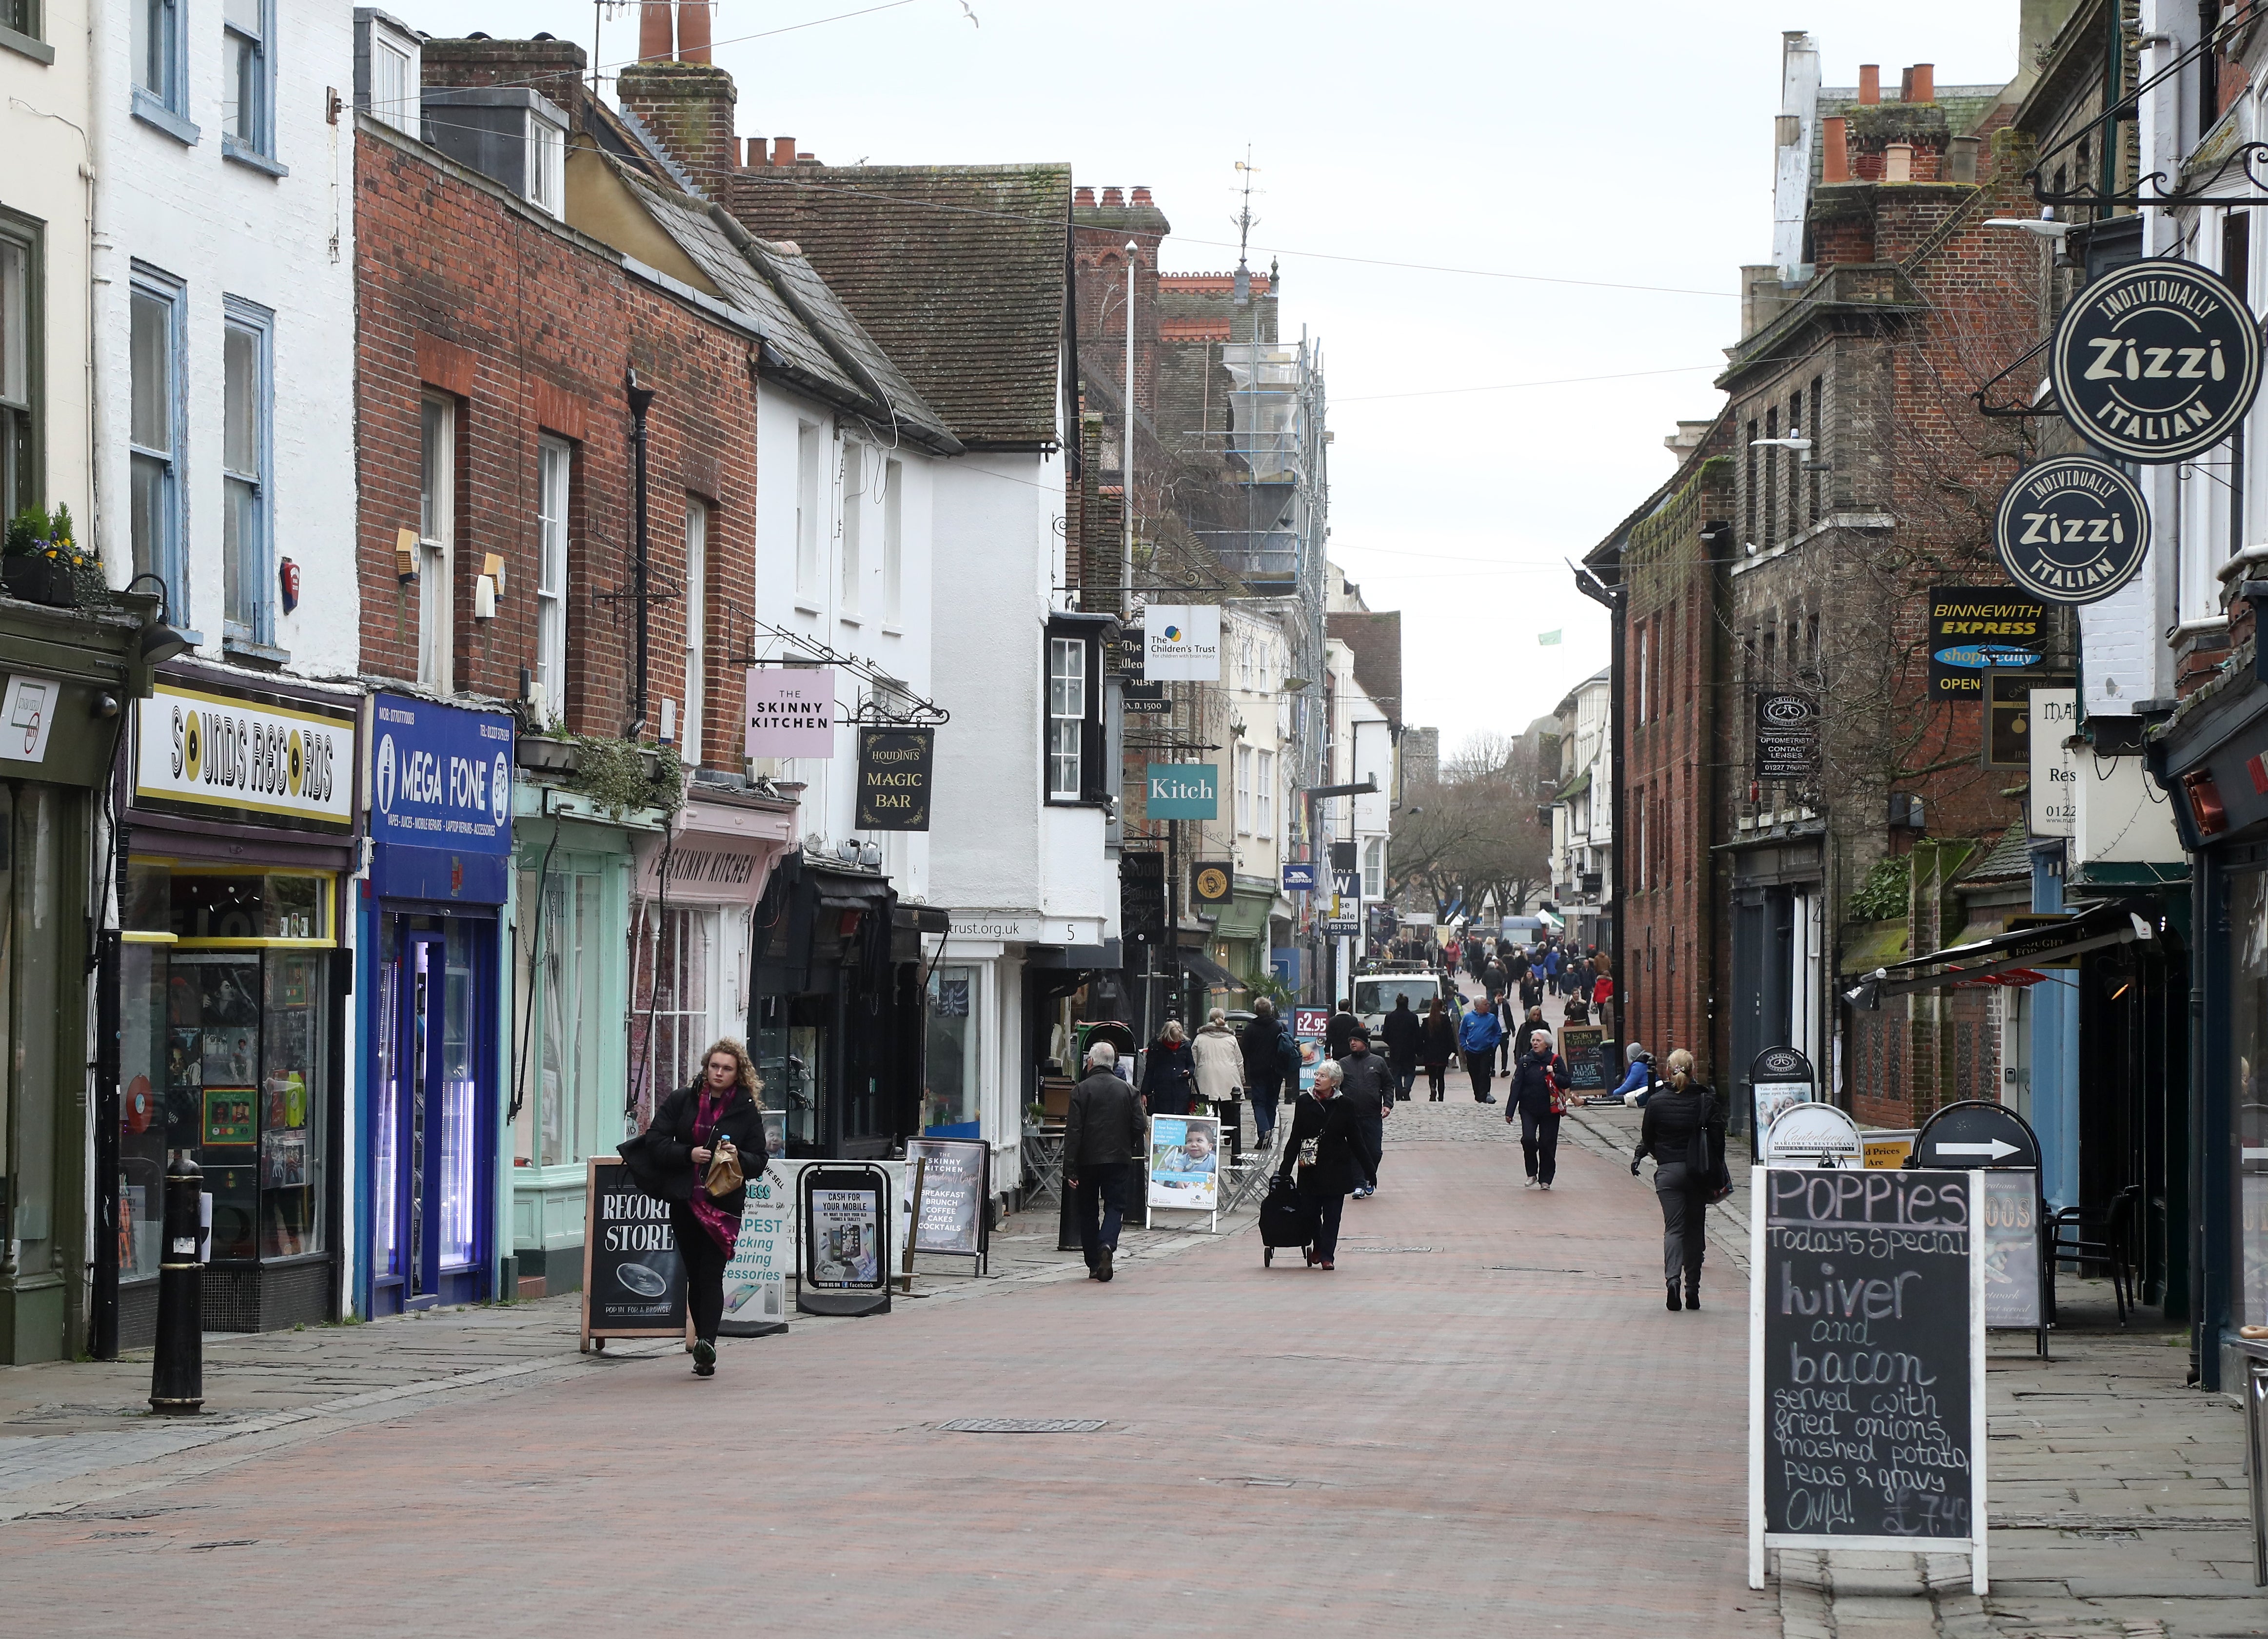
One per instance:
(1102,1134)
(1404,1034)
(1270,1053)
(1341,1030)
(1367,1085)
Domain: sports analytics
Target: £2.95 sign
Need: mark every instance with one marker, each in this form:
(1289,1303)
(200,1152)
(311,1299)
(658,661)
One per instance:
(205,751)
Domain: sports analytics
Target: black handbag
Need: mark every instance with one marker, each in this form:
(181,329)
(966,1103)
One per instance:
(1713,1180)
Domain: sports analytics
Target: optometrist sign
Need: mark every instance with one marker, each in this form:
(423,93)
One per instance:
(2071,529)
(206,752)
(2156,361)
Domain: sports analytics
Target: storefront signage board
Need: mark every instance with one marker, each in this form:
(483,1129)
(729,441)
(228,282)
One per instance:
(893,778)
(1145,699)
(2156,361)
(1811,1134)
(1184,1172)
(845,1210)
(1787,735)
(1975,630)
(2071,529)
(1010,927)
(763,1264)
(955,1175)
(2053,718)
(440,801)
(633,1274)
(1182,643)
(1584,1047)
(1213,882)
(200,751)
(1184,790)
(1867,1427)
(790,711)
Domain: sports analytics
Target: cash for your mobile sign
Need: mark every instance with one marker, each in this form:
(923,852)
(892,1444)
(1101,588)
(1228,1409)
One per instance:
(2156,361)
(1185,1163)
(1974,630)
(1866,1365)
(2071,529)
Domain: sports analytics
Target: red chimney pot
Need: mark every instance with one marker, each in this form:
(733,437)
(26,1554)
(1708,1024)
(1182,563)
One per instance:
(1112,196)
(1142,196)
(693,30)
(1083,196)
(1835,154)
(1921,83)
(1870,82)
(782,151)
(654,31)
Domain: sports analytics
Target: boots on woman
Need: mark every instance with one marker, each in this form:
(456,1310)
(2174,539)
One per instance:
(1674,1304)
(1693,1292)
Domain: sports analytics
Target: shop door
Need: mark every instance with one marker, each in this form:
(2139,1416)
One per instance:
(428,1148)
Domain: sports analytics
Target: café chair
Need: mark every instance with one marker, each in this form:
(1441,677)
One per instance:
(2112,1233)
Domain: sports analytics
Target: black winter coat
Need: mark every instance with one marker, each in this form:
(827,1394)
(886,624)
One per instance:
(1671,1117)
(1403,1032)
(669,1142)
(1169,1075)
(1342,1160)
(1532,1080)
(1262,1041)
(1439,1042)
(1338,1033)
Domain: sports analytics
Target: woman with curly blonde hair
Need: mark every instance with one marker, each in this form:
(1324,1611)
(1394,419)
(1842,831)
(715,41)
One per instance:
(717,1113)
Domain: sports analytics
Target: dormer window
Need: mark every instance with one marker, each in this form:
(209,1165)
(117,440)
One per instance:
(388,63)
(512,136)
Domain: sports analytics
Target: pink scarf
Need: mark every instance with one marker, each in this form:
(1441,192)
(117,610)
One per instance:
(723,1228)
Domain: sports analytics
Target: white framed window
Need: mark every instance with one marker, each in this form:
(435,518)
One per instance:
(1066,719)
(546,166)
(1373,869)
(390,82)
(1643,671)
(555,474)
(246,110)
(1244,789)
(894,567)
(807,583)
(679,982)
(248,558)
(1264,793)
(155,435)
(437,538)
(697,627)
(20,399)
(854,506)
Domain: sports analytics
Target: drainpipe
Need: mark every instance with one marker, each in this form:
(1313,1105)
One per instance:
(1126,463)
(641,399)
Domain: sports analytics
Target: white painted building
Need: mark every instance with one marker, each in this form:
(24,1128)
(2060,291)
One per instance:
(1582,811)
(1256,649)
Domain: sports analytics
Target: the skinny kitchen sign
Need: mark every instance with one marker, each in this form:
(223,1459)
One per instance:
(893,778)
(791,711)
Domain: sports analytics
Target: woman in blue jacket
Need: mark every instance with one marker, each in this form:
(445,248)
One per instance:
(1477,1035)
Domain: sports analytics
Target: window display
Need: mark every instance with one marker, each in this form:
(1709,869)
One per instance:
(565,980)
(949,1101)
(2248,1052)
(790,1058)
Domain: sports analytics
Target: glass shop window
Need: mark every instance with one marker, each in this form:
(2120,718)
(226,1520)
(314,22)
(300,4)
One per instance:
(949,1102)
(2248,1054)
(562,958)
(790,1047)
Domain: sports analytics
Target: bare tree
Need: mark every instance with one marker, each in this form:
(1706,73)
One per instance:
(1475,834)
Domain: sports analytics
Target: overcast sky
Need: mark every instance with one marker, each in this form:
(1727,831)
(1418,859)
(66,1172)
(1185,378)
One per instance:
(1627,145)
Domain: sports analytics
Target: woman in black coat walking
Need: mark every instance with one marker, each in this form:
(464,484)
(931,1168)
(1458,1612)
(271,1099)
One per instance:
(1169,1072)
(1675,1115)
(1339,1163)
(1436,1045)
(717,1113)
(1537,1098)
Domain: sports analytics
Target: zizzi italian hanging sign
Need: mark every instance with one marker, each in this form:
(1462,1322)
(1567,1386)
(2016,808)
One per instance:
(2071,529)
(2156,361)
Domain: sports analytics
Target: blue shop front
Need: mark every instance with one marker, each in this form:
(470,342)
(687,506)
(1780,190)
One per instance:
(430,1111)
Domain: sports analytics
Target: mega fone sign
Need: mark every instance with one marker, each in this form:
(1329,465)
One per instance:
(2156,361)
(211,753)
(1182,643)
(791,711)
(1976,630)
(440,801)
(2071,529)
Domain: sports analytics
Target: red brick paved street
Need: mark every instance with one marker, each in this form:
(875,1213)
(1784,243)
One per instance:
(1482,1422)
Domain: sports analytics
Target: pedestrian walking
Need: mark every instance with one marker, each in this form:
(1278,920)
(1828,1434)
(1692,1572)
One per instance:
(1102,1134)
(1551,968)
(1437,1047)
(1494,979)
(714,1118)
(1340,1030)
(1477,1037)
(1270,1056)
(1169,1072)
(1325,1156)
(1219,1060)
(1367,1085)
(1684,1133)
(1404,1034)
(1507,1016)
(1576,1012)
(1538,1096)
(1531,986)
(1602,992)
(1533,1023)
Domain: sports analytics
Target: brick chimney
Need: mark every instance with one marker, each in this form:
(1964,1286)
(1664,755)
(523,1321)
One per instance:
(693,30)
(1834,152)
(552,67)
(782,151)
(1083,199)
(654,43)
(1921,83)
(1870,82)
(688,106)
(1112,198)
(1142,196)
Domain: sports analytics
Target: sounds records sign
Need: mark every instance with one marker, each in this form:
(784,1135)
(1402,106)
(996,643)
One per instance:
(206,752)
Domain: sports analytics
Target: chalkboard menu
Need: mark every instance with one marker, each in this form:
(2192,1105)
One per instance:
(633,1276)
(1583,1047)
(1867,1340)
(953,1190)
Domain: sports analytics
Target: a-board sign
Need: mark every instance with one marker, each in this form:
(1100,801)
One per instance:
(2013,1294)
(1866,1365)
(1310,1026)
(1976,1133)
(846,1239)
(763,1264)
(1810,1133)
(633,1274)
(1778,1078)
(1584,1049)
(955,1181)
(1185,1163)
(1882,1148)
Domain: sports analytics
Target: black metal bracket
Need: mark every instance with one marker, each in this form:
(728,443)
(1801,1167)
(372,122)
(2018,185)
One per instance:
(886,704)
(2044,405)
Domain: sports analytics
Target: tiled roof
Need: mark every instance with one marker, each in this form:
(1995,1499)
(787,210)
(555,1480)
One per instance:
(957,271)
(2011,858)
(1373,637)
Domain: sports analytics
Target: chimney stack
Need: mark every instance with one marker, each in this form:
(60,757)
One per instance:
(688,107)
(1084,198)
(1112,198)
(782,151)
(1870,82)
(654,44)
(1921,83)
(1142,196)
(693,30)
(1835,157)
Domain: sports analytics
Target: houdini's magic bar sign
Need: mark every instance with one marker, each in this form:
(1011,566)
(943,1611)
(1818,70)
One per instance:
(2156,361)
(893,778)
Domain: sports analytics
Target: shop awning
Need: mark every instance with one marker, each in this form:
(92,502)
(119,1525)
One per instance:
(1244,917)
(1215,977)
(1983,961)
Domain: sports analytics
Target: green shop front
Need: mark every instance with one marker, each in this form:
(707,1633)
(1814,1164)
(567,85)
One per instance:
(66,679)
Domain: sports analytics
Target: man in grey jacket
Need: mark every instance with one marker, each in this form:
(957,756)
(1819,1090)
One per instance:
(1102,1134)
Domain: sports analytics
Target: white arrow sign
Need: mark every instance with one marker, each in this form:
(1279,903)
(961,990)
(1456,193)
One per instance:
(1992,1151)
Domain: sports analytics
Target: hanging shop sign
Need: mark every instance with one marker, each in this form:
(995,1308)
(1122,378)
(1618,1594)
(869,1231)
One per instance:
(893,778)
(2071,529)
(1213,882)
(1182,642)
(1787,736)
(204,752)
(791,711)
(1184,790)
(1122,653)
(2009,716)
(1146,699)
(1976,630)
(1867,1373)
(2156,361)
(1299,876)
(2053,715)
(440,801)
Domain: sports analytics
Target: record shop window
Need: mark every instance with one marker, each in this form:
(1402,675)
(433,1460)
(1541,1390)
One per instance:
(1074,750)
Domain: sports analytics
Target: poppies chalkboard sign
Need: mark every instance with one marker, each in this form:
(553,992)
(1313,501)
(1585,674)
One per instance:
(2156,361)
(2071,529)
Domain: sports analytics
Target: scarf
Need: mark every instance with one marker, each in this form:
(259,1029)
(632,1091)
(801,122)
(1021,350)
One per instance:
(723,1227)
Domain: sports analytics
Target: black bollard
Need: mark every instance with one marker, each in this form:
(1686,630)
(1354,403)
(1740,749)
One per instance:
(177,1379)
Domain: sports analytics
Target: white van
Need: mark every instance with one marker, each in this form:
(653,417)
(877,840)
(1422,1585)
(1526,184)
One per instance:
(1375,995)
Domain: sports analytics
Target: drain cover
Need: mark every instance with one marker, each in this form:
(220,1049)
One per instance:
(1022,1425)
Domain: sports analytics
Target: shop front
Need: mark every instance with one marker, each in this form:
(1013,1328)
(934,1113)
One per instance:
(238,829)
(1240,940)
(432,1013)
(63,676)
